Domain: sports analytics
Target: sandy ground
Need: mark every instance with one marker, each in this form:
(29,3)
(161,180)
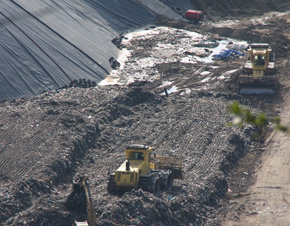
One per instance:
(267,201)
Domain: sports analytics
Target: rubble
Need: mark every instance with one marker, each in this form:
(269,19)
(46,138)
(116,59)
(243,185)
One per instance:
(91,128)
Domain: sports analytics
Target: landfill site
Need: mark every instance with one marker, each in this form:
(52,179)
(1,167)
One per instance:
(83,82)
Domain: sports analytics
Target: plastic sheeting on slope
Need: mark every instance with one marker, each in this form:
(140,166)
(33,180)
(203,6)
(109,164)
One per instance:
(64,40)
(160,9)
(76,34)
(180,6)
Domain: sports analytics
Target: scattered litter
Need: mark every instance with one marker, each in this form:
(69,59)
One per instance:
(207,44)
(227,74)
(205,80)
(239,46)
(204,73)
(173,89)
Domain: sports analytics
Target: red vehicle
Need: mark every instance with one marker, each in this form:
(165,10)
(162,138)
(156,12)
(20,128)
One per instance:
(193,15)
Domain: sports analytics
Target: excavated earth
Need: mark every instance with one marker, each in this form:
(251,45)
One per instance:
(49,140)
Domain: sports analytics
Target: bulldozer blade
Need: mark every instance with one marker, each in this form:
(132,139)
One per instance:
(257,90)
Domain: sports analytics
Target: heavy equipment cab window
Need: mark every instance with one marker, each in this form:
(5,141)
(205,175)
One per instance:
(137,156)
(259,60)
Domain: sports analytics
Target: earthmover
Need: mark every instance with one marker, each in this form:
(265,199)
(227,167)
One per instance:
(143,169)
(259,72)
(194,15)
(81,192)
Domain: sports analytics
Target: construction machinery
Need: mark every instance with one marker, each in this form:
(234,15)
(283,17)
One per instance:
(194,15)
(259,72)
(143,169)
(81,193)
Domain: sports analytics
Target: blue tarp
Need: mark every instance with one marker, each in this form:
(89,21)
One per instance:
(227,53)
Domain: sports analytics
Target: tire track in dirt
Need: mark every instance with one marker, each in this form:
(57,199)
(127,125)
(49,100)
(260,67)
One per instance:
(184,126)
(21,150)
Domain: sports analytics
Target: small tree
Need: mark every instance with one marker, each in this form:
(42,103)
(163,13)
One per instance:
(242,116)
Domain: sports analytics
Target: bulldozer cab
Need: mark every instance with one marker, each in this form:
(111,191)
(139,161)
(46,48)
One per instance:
(136,156)
(139,152)
(259,60)
(259,55)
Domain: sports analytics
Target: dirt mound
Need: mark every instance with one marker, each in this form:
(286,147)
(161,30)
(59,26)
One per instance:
(260,30)
(92,128)
(238,8)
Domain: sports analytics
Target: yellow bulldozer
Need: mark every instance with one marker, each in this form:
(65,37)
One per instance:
(81,195)
(143,169)
(259,71)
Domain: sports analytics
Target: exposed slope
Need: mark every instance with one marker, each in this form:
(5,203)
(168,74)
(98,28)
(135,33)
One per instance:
(84,131)
(236,8)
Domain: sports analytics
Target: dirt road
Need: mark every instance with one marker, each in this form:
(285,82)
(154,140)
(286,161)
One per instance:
(267,201)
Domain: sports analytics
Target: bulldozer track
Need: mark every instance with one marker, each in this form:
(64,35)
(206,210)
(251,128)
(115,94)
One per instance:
(199,118)
(177,127)
(18,157)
